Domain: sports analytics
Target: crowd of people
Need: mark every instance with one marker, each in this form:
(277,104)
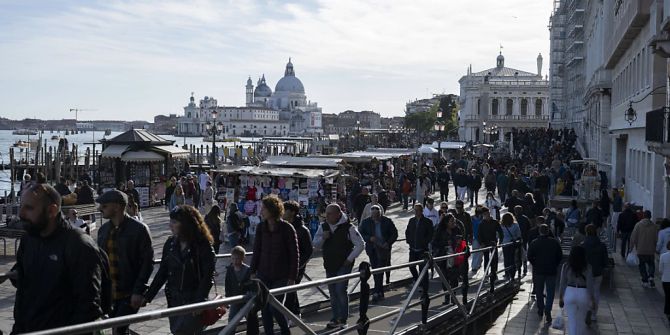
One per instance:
(113,275)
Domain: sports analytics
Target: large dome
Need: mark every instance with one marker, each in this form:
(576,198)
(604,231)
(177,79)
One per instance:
(289,83)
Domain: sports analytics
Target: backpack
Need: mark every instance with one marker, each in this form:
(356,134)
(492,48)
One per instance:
(406,186)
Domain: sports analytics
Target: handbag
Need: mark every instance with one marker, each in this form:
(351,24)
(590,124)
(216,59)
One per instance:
(559,322)
(209,317)
(631,258)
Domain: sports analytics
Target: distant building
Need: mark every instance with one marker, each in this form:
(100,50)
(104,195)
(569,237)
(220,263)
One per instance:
(496,100)
(345,122)
(165,125)
(286,111)
(395,122)
(422,105)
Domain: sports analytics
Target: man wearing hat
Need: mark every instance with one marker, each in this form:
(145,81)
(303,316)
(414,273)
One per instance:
(128,246)
(379,234)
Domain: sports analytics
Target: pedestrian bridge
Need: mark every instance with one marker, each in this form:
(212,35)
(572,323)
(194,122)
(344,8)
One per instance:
(409,307)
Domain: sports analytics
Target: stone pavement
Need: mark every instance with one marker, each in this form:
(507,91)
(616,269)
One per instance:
(613,316)
(625,308)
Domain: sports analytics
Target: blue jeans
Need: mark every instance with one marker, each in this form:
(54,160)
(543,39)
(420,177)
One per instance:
(540,282)
(270,313)
(339,298)
(647,267)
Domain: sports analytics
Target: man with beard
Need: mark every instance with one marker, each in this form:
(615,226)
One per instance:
(59,270)
(128,246)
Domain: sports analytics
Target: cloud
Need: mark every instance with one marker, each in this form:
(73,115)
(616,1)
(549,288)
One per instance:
(134,52)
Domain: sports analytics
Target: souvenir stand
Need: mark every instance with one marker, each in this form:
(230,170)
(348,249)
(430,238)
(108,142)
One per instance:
(246,186)
(143,157)
(373,165)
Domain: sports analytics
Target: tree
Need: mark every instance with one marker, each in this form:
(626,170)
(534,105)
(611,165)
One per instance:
(423,121)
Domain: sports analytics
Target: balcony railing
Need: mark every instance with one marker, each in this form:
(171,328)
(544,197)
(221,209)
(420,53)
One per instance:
(507,117)
(658,126)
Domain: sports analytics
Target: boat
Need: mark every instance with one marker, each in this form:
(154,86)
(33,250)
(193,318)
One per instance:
(108,132)
(55,138)
(24,132)
(25,144)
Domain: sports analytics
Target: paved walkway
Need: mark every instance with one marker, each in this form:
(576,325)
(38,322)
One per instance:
(625,308)
(620,311)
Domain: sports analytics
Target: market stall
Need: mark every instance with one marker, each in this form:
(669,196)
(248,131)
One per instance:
(143,157)
(247,185)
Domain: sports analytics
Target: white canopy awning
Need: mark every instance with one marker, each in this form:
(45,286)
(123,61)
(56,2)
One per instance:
(175,152)
(426,149)
(448,145)
(114,151)
(142,156)
(298,162)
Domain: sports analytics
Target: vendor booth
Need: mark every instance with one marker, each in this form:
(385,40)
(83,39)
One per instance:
(143,157)
(247,185)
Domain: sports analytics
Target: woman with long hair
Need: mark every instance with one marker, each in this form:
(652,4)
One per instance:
(275,261)
(576,291)
(177,198)
(511,233)
(186,268)
(213,221)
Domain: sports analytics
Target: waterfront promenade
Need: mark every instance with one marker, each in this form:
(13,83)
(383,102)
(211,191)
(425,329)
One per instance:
(625,308)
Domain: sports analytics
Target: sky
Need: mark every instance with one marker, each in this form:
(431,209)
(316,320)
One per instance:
(132,60)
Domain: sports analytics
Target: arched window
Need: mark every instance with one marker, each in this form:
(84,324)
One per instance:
(510,107)
(494,107)
(538,107)
(524,106)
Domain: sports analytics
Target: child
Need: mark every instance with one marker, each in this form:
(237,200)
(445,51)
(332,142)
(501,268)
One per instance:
(237,276)
(664,269)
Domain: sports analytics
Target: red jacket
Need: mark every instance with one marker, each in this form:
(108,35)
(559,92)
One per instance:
(276,253)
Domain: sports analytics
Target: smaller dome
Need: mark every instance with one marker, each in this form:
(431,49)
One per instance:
(263,91)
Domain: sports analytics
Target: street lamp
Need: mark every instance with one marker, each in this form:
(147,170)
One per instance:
(358,138)
(214,128)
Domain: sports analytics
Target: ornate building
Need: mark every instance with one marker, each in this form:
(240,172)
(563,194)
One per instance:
(496,100)
(286,111)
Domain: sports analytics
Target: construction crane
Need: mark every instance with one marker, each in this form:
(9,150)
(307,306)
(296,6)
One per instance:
(77,110)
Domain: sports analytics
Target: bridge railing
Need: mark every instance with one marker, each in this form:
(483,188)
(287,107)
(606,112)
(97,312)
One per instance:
(262,295)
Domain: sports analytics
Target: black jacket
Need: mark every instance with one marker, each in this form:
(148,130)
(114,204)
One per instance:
(388,229)
(524,226)
(596,254)
(534,233)
(460,180)
(475,182)
(443,179)
(60,280)
(627,221)
(233,286)
(305,247)
(62,189)
(419,237)
(466,221)
(135,254)
(545,254)
(85,196)
(188,275)
(489,233)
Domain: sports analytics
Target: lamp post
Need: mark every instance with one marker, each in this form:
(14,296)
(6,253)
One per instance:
(358,138)
(214,128)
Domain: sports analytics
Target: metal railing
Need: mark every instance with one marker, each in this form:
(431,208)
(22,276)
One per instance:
(262,295)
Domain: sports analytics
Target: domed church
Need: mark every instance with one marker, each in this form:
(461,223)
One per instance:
(289,99)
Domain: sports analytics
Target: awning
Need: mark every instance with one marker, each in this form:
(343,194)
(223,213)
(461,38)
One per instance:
(175,152)
(142,156)
(448,145)
(426,149)
(278,172)
(298,162)
(114,151)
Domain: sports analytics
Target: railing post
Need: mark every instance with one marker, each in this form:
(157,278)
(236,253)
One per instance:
(363,322)
(425,298)
(419,281)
